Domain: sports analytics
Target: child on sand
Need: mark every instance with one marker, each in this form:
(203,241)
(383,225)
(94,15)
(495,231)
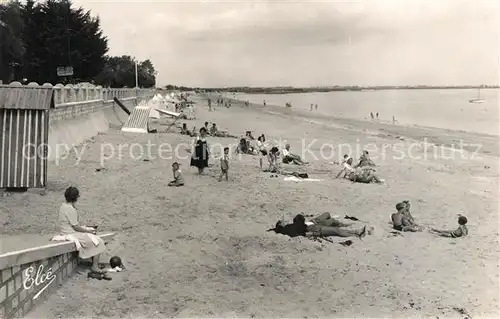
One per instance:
(224,164)
(461,231)
(400,220)
(178,178)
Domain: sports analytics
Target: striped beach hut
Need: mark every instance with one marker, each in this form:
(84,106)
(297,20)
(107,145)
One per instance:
(24,128)
(138,120)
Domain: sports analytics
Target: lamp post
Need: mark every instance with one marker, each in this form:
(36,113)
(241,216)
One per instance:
(136,76)
(2,25)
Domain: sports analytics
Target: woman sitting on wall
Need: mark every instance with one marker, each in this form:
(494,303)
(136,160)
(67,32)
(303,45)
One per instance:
(91,246)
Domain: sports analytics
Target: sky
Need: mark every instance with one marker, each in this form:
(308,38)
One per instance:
(308,43)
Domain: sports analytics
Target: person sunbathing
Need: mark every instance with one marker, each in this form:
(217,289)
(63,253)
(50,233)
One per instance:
(461,231)
(401,222)
(289,157)
(300,227)
(184,130)
(245,147)
(326,219)
(242,147)
(364,175)
(214,131)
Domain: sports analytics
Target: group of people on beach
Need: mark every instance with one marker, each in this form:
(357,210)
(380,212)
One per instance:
(403,221)
(321,226)
(220,102)
(362,172)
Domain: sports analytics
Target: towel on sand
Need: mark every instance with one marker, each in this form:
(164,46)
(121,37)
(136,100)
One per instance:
(296,179)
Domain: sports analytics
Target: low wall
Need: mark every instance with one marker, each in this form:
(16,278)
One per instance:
(21,288)
(73,123)
(78,112)
(29,275)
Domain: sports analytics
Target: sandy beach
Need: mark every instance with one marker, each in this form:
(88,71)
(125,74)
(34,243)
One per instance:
(202,250)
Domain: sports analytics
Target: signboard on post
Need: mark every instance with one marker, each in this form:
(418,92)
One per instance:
(65,71)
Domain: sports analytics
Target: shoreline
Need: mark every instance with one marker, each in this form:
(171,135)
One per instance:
(437,136)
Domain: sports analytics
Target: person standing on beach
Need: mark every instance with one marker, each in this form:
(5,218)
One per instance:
(224,164)
(201,154)
(264,103)
(316,106)
(261,140)
(209,104)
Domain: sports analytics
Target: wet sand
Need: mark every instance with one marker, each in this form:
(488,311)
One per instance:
(203,250)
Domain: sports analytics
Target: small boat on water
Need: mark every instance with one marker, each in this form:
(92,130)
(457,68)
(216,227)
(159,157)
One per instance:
(478,99)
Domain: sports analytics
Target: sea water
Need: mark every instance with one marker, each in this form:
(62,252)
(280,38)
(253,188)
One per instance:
(449,109)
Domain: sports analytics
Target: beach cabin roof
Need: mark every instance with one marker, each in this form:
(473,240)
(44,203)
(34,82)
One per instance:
(26,97)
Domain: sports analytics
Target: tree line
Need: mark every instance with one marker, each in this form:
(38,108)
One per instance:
(38,37)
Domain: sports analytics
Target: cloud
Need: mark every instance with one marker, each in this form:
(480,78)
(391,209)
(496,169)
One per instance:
(308,43)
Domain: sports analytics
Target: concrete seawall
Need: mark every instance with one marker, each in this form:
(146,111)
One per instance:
(73,123)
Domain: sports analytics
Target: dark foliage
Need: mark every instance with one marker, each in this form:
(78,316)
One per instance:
(37,37)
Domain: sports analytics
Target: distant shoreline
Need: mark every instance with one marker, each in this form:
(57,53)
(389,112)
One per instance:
(434,135)
(292,90)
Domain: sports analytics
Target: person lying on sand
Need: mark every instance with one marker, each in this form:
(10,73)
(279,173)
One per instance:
(366,176)
(214,131)
(401,222)
(289,157)
(178,178)
(326,219)
(461,231)
(299,227)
